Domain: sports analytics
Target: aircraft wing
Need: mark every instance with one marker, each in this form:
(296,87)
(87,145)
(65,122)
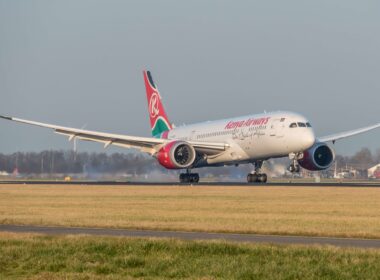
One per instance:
(146,144)
(338,136)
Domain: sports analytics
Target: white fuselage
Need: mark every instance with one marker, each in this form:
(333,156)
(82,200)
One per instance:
(251,138)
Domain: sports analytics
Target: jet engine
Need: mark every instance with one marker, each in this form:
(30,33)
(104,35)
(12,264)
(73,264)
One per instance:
(176,155)
(317,158)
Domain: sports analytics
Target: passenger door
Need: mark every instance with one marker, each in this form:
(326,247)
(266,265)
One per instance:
(277,127)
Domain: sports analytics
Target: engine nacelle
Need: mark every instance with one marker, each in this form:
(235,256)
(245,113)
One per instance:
(176,155)
(317,158)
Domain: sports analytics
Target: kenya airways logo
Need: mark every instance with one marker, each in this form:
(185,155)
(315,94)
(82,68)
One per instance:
(153,105)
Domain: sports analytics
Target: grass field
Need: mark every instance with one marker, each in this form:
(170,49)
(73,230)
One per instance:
(346,212)
(80,257)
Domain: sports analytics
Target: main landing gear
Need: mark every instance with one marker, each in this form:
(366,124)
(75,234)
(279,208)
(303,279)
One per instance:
(189,177)
(257,176)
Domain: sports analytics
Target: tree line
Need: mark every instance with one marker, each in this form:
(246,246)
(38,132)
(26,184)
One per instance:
(362,160)
(69,162)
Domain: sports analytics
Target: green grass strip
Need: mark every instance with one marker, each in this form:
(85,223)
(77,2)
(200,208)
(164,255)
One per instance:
(79,257)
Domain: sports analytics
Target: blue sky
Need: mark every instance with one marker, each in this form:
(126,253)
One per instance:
(79,63)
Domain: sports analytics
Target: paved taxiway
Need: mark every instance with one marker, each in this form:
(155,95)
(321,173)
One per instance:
(250,238)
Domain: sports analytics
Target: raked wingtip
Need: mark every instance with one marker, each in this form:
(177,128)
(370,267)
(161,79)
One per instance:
(6,117)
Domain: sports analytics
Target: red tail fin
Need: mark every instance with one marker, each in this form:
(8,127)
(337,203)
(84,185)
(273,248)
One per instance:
(159,121)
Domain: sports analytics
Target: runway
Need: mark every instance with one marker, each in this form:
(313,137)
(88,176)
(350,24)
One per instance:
(367,184)
(240,238)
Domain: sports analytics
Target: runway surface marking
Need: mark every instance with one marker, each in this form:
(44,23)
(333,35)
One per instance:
(251,238)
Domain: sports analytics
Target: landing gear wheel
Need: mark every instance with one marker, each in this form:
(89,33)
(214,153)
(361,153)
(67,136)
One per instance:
(194,178)
(294,168)
(257,178)
(263,178)
(291,169)
(249,178)
(182,178)
(189,178)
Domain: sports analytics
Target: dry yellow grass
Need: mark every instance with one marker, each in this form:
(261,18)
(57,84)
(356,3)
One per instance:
(348,212)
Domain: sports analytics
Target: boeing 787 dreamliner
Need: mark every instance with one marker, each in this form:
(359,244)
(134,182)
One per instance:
(250,139)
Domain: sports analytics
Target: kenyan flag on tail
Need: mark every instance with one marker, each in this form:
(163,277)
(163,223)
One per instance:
(159,121)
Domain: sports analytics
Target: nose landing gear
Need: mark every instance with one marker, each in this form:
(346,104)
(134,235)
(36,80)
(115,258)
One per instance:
(294,166)
(257,176)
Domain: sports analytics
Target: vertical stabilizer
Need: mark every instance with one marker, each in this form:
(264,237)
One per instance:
(159,121)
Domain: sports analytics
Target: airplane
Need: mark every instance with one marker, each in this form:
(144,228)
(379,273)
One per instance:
(251,139)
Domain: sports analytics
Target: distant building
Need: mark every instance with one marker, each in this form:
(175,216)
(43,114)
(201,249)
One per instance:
(374,172)
(351,174)
(344,174)
(4,173)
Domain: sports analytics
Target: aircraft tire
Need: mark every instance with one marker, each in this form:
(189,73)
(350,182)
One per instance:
(252,178)
(263,178)
(188,178)
(257,178)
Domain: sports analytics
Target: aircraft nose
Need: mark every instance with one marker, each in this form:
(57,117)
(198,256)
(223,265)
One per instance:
(308,139)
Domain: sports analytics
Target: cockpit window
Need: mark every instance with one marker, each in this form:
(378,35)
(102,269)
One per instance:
(308,124)
(300,124)
(293,125)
